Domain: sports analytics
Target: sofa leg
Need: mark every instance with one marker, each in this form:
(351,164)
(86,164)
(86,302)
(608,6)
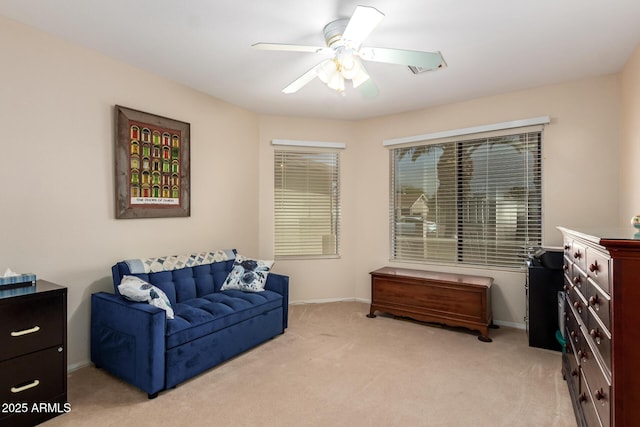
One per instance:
(153,396)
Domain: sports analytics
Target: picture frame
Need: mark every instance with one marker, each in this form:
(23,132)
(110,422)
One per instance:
(152,165)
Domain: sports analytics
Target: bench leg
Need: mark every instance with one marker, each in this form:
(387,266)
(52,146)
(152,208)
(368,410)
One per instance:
(484,335)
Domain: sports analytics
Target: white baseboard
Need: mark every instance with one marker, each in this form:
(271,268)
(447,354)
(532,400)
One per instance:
(76,366)
(510,324)
(368,301)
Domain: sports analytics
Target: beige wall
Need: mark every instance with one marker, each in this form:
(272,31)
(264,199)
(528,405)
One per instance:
(583,132)
(57,218)
(57,169)
(313,280)
(630,139)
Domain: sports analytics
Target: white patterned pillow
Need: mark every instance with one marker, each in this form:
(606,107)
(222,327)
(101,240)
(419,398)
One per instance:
(247,275)
(136,289)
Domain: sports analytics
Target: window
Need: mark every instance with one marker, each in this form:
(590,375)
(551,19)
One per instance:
(307,203)
(475,201)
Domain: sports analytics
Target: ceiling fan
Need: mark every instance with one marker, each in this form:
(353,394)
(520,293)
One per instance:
(344,39)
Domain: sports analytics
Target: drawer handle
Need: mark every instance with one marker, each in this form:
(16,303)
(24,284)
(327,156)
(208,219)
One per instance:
(34,383)
(25,331)
(594,301)
(599,395)
(577,280)
(583,355)
(594,268)
(577,255)
(567,247)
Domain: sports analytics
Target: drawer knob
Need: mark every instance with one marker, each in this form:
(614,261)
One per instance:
(594,300)
(583,355)
(574,372)
(578,306)
(567,247)
(565,267)
(594,268)
(577,255)
(32,384)
(583,397)
(596,335)
(577,280)
(599,395)
(25,331)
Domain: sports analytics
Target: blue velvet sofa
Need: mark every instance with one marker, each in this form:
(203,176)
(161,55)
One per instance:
(136,342)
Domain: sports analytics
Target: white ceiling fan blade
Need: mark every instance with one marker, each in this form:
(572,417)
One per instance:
(292,48)
(301,81)
(361,24)
(427,60)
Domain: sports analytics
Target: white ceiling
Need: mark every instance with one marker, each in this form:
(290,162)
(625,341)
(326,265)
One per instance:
(490,46)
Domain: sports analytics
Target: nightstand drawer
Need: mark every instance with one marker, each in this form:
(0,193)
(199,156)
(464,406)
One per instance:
(37,377)
(31,324)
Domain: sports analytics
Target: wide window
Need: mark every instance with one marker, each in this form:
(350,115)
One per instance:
(307,203)
(474,201)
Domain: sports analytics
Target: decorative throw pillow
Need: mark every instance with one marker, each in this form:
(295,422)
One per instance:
(247,275)
(135,289)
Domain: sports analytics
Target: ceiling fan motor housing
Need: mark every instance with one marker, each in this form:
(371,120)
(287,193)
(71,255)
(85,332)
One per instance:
(333,31)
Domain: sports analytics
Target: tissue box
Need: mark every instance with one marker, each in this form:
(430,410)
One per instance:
(18,281)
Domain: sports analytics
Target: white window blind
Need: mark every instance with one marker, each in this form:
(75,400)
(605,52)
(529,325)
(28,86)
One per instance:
(307,203)
(476,201)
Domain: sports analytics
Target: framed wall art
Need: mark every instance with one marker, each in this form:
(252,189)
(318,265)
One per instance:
(152,165)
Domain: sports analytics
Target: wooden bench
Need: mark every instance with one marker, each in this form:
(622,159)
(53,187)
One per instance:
(445,298)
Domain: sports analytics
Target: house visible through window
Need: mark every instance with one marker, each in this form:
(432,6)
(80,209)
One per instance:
(475,201)
(307,203)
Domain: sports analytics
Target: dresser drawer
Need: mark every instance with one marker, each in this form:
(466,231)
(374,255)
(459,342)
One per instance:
(578,304)
(579,280)
(573,327)
(574,368)
(579,255)
(36,377)
(588,408)
(599,302)
(598,268)
(600,394)
(31,324)
(601,339)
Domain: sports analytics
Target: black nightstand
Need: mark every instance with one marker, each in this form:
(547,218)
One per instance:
(33,354)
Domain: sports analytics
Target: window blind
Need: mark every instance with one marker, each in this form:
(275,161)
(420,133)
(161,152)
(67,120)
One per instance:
(477,201)
(307,203)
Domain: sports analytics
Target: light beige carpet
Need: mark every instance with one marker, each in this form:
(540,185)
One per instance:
(336,367)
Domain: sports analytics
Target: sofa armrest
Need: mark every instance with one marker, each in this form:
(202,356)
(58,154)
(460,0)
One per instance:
(280,283)
(128,340)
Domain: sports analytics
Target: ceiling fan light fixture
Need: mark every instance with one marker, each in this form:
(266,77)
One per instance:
(327,70)
(360,78)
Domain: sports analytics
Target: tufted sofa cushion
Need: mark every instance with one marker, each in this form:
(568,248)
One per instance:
(198,317)
(185,283)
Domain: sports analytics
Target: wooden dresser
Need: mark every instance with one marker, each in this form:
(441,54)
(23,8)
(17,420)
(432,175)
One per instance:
(33,354)
(602,285)
(447,298)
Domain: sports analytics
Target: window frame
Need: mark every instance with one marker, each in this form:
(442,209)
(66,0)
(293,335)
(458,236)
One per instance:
(529,241)
(329,153)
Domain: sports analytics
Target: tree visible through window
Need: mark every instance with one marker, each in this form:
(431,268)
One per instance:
(307,203)
(474,202)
